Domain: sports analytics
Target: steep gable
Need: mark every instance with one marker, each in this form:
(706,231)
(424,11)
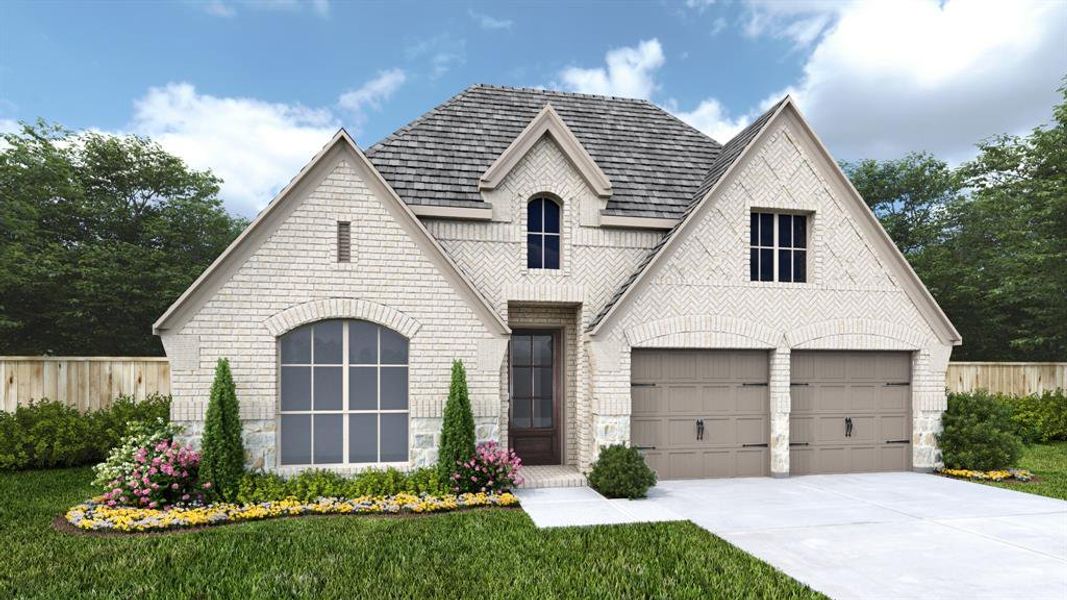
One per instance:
(853,266)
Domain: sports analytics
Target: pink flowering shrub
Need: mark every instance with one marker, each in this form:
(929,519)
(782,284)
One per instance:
(491,469)
(160,475)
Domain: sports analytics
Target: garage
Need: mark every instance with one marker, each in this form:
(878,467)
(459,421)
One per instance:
(850,412)
(699,413)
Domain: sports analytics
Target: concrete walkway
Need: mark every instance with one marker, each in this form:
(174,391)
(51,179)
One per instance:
(877,535)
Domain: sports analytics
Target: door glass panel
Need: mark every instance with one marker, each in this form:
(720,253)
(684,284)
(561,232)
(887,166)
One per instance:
(542,412)
(543,382)
(522,382)
(520,350)
(328,388)
(542,350)
(520,413)
(363,438)
(328,439)
(328,342)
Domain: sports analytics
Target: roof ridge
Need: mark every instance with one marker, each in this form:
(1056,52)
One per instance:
(513,88)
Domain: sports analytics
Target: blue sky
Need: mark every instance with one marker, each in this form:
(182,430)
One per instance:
(253,89)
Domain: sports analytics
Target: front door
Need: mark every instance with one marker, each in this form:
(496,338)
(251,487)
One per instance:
(535,390)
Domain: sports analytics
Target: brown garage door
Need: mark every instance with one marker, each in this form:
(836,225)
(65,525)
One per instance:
(701,413)
(850,412)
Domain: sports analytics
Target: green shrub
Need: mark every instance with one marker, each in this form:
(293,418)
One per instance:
(978,433)
(457,430)
(308,485)
(1039,417)
(621,472)
(222,451)
(46,434)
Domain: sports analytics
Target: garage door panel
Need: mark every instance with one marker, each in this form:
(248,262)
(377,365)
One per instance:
(646,432)
(684,400)
(751,430)
(830,386)
(646,400)
(677,388)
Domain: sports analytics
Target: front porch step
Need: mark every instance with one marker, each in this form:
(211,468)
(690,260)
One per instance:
(551,476)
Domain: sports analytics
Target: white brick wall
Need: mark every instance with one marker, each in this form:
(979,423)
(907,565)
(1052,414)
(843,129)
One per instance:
(293,278)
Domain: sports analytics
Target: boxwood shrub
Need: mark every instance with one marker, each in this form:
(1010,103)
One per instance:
(47,434)
(621,472)
(979,433)
(318,483)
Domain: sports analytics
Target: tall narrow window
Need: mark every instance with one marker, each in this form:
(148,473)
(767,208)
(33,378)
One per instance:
(344,241)
(778,247)
(542,234)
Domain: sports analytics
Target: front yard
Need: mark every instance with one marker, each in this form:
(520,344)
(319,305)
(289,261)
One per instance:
(487,553)
(1048,463)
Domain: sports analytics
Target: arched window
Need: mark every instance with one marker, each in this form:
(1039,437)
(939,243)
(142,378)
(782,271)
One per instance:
(343,394)
(542,234)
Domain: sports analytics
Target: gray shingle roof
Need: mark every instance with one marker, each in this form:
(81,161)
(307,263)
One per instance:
(727,157)
(655,162)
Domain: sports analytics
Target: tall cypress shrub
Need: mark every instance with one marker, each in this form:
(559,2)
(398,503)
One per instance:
(457,431)
(223,454)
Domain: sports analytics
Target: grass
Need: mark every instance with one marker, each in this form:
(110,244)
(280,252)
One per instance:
(493,553)
(1049,463)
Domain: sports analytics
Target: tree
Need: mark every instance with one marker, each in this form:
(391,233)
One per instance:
(98,235)
(222,451)
(457,430)
(909,196)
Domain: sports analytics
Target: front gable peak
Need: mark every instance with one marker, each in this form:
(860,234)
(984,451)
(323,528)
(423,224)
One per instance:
(547,122)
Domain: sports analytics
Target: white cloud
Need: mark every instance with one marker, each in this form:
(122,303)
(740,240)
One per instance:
(372,93)
(220,8)
(718,25)
(699,5)
(711,117)
(630,72)
(254,146)
(886,78)
(443,52)
(489,22)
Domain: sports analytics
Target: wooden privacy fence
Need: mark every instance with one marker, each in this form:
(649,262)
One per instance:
(87,383)
(1017,378)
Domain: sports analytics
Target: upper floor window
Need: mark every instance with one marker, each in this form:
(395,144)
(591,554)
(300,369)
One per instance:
(343,394)
(542,234)
(778,247)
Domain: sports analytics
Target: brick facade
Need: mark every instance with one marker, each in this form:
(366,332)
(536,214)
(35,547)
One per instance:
(699,296)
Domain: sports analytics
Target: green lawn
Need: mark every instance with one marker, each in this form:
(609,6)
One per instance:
(485,554)
(1049,463)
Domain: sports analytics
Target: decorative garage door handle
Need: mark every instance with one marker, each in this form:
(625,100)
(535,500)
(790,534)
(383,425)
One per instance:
(898,441)
(644,447)
(848,426)
(700,429)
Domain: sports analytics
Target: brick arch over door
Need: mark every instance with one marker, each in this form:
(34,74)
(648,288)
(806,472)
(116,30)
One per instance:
(341,308)
(702,331)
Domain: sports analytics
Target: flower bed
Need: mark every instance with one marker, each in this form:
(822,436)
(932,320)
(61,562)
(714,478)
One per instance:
(999,475)
(95,515)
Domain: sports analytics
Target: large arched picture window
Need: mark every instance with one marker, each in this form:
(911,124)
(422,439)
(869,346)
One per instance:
(343,394)
(542,234)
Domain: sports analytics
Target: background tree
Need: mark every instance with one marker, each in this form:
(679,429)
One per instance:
(98,235)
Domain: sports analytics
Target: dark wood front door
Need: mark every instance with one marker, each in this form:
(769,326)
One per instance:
(535,391)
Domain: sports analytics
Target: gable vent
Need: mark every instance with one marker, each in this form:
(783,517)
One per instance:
(344,241)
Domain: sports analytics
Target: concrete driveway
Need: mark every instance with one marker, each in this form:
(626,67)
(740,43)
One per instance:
(887,535)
